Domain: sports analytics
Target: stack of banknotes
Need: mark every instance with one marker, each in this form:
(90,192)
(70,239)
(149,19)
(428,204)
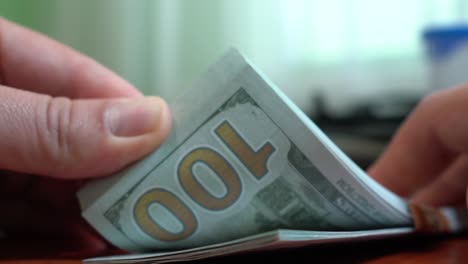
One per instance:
(244,169)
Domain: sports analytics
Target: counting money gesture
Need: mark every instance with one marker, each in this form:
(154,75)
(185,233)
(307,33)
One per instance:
(427,159)
(63,118)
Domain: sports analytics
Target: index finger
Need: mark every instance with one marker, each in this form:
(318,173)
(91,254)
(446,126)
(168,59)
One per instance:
(427,142)
(33,62)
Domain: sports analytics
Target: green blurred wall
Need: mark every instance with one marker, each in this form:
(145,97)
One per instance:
(158,46)
(113,32)
(30,13)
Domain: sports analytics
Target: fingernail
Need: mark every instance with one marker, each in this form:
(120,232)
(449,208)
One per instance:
(134,117)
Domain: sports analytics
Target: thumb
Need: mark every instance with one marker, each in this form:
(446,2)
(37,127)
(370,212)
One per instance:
(72,139)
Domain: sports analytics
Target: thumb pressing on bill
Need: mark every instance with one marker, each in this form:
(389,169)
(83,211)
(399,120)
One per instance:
(71,139)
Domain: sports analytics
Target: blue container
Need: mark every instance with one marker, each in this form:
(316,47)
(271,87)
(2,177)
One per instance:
(447,51)
(441,41)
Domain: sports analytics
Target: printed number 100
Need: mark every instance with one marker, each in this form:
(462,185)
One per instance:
(254,160)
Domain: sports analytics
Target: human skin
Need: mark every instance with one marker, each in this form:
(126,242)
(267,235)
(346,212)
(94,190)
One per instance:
(426,161)
(64,119)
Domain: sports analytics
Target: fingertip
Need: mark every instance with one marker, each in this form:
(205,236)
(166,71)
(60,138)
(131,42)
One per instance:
(138,117)
(143,126)
(165,125)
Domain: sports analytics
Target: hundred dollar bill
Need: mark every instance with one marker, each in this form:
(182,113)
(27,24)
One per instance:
(241,160)
(268,241)
(426,220)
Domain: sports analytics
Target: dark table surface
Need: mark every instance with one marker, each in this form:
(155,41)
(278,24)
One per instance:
(433,249)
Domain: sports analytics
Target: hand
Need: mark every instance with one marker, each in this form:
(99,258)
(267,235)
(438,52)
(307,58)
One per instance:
(63,118)
(427,160)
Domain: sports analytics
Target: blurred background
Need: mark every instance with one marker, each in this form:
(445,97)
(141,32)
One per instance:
(356,67)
